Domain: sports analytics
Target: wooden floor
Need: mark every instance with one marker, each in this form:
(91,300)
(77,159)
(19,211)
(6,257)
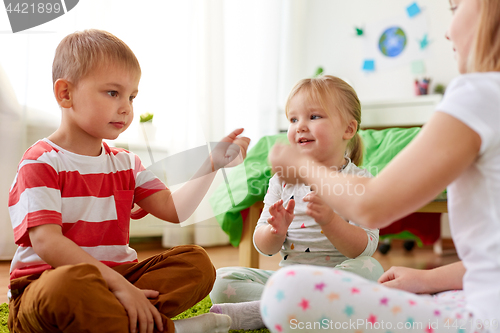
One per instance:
(224,256)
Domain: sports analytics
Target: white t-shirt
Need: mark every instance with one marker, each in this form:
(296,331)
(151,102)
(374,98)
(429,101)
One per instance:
(305,242)
(474,197)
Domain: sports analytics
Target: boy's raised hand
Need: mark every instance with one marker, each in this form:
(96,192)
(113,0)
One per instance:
(230,151)
(281,217)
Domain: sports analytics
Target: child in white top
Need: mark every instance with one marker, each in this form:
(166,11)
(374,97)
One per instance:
(460,148)
(324,115)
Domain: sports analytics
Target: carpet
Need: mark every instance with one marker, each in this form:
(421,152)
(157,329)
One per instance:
(201,307)
(4,314)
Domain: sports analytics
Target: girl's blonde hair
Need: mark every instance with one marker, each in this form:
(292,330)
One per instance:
(485,55)
(82,51)
(331,92)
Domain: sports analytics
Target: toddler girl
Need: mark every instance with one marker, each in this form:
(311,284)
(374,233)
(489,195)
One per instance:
(324,115)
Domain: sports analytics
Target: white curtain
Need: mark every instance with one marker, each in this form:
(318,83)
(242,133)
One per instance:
(12,137)
(209,66)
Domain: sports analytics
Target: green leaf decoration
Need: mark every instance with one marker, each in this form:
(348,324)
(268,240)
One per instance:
(145,117)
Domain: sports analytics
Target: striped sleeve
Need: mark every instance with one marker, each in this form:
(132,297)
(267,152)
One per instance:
(34,199)
(146,183)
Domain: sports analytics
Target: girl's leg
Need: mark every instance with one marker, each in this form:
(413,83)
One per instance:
(367,267)
(239,284)
(237,292)
(317,299)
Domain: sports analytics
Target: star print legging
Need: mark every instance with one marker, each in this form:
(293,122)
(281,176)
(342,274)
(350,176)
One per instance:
(305,298)
(241,284)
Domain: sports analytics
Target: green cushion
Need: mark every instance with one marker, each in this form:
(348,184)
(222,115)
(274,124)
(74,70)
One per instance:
(381,146)
(248,182)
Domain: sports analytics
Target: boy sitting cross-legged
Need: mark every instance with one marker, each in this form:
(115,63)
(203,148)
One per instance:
(70,207)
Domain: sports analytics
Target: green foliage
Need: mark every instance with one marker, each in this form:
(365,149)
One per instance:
(319,71)
(145,117)
(439,89)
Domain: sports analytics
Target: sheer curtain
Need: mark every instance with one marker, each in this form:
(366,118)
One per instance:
(209,66)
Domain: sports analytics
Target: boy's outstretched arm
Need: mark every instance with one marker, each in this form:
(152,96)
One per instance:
(57,250)
(442,151)
(179,206)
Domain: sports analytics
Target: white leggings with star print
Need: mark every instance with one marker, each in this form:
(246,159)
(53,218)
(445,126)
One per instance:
(317,299)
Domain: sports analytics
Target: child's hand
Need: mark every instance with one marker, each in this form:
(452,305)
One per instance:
(318,209)
(281,218)
(141,313)
(230,151)
(286,161)
(404,278)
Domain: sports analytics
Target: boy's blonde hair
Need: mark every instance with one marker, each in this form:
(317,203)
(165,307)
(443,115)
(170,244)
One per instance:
(330,91)
(82,51)
(486,50)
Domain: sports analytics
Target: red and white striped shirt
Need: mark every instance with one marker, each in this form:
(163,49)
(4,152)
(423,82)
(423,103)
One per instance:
(89,197)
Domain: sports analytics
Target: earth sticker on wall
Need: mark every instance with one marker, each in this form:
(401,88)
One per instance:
(392,42)
(395,41)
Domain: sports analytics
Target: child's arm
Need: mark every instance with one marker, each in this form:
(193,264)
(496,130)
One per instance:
(431,281)
(349,239)
(442,151)
(178,206)
(269,239)
(57,250)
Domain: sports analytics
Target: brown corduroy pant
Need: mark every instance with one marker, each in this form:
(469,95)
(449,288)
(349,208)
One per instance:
(76,298)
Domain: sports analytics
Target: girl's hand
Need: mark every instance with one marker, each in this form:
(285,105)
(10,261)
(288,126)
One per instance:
(407,279)
(318,209)
(281,218)
(230,151)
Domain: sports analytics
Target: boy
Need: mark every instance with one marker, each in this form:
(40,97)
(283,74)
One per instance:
(70,208)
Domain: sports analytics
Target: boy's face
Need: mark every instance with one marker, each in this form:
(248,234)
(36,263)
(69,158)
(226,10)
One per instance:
(102,102)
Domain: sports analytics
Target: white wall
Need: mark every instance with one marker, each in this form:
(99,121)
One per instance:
(328,39)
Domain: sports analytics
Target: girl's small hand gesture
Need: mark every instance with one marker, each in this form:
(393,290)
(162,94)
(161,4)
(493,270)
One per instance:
(281,217)
(407,279)
(230,151)
(318,209)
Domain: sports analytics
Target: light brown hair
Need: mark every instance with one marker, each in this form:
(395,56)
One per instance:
(486,50)
(330,91)
(82,51)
